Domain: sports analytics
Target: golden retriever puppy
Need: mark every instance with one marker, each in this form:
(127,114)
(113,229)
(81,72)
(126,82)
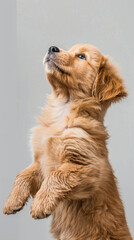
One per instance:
(71,177)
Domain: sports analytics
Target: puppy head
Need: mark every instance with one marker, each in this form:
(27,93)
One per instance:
(83,71)
(74,69)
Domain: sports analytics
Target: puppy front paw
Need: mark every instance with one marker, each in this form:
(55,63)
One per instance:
(42,206)
(13,204)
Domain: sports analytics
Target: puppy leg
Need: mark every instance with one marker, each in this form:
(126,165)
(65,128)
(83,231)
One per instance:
(71,181)
(27,183)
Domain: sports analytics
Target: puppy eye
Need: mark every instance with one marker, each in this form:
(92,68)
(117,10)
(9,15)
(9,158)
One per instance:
(81,56)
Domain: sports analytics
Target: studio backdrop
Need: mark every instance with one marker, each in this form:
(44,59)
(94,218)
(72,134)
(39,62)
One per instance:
(29,28)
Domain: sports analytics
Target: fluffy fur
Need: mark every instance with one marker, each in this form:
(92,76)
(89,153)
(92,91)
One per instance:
(71,177)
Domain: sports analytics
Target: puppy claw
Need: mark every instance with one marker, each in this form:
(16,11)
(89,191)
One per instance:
(10,210)
(39,215)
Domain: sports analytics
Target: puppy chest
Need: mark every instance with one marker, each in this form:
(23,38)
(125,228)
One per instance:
(50,139)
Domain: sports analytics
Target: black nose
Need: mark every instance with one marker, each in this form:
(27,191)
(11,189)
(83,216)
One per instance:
(53,49)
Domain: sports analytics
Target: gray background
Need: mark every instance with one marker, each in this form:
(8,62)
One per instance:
(27,30)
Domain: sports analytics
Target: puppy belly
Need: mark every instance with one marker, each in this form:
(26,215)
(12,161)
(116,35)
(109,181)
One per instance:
(67,219)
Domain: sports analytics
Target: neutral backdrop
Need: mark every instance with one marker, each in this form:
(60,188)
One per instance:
(28,29)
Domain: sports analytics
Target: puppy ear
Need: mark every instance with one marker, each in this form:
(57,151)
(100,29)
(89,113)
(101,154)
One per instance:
(108,85)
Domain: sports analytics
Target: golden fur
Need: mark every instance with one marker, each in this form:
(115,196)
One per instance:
(71,177)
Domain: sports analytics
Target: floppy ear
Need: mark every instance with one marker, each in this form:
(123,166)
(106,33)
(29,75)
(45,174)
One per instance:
(108,85)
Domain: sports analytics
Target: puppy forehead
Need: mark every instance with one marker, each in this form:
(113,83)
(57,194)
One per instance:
(83,48)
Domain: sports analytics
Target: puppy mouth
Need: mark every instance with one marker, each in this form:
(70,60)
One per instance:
(49,60)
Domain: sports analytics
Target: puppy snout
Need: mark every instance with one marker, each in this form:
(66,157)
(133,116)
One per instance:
(53,49)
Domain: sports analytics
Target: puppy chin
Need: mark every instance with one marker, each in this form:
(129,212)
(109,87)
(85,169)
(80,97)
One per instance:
(46,64)
(49,68)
